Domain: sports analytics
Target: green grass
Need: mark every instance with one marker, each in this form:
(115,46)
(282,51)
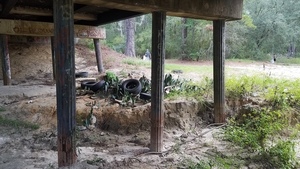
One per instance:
(189,68)
(137,62)
(17,123)
(170,67)
(240,60)
(288,61)
(217,161)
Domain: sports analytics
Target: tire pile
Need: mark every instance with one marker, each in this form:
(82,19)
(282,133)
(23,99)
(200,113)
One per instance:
(131,86)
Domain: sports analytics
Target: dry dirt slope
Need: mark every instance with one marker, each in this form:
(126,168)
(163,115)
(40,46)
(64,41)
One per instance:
(34,61)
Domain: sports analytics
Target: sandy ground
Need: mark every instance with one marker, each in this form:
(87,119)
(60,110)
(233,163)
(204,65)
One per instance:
(33,95)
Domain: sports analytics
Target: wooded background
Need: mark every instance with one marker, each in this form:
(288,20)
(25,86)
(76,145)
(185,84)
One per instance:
(268,28)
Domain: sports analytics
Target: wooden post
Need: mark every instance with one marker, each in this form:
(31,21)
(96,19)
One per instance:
(5,60)
(218,69)
(53,57)
(98,55)
(157,76)
(65,81)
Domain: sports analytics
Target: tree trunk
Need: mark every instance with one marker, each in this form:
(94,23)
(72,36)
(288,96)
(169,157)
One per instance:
(130,40)
(183,38)
(291,50)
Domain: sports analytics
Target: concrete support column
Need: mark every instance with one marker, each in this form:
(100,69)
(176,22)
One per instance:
(157,76)
(98,55)
(218,69)
(5,60)
(65,81)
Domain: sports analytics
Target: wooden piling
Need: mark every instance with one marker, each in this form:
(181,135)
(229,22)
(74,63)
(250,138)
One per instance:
(5,60)
(157,77)
(98,55)
(53,58)
(65,81)
(218,69)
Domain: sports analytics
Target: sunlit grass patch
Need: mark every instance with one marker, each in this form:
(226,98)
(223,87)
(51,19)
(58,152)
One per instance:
(288,61)
(17,123)
(189,68)
(241,60)
(137,62)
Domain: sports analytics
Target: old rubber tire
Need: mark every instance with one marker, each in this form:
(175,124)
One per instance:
(81,74)
(145,96)
(87,84)
(132,86)
(98,86)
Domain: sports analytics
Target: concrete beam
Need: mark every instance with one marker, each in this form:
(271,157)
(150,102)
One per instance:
(200,9)
(30,28)
(8,5)
(47,12)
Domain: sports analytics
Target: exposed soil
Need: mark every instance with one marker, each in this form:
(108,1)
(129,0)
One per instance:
(121,136)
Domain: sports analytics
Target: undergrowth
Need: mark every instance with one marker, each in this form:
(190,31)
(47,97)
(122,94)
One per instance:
(17,123)
(264,133)
(268,131)
(188,89)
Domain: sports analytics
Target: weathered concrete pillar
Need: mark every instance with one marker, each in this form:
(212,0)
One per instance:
(218,69)
(5,60)
(157,76)
(65,81)
(98,55)
(53,57)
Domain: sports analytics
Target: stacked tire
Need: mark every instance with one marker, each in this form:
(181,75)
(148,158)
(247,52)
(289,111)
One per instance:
(93,86)
(132,86)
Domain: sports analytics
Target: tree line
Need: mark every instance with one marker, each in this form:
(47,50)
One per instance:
(268,28)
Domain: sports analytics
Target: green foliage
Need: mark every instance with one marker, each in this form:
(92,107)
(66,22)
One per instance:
(112,79)
(248,21)
(283,93)
(115,38)
(128,99)
(251,130)
(146,84)
(176,87)
(170,81)
(90,44)
(282,155)
(2,109)
(173,35)
(217,161)
(256,130)
(267,27)
(241,87)
(17,123)
(143,41)
(200,165)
